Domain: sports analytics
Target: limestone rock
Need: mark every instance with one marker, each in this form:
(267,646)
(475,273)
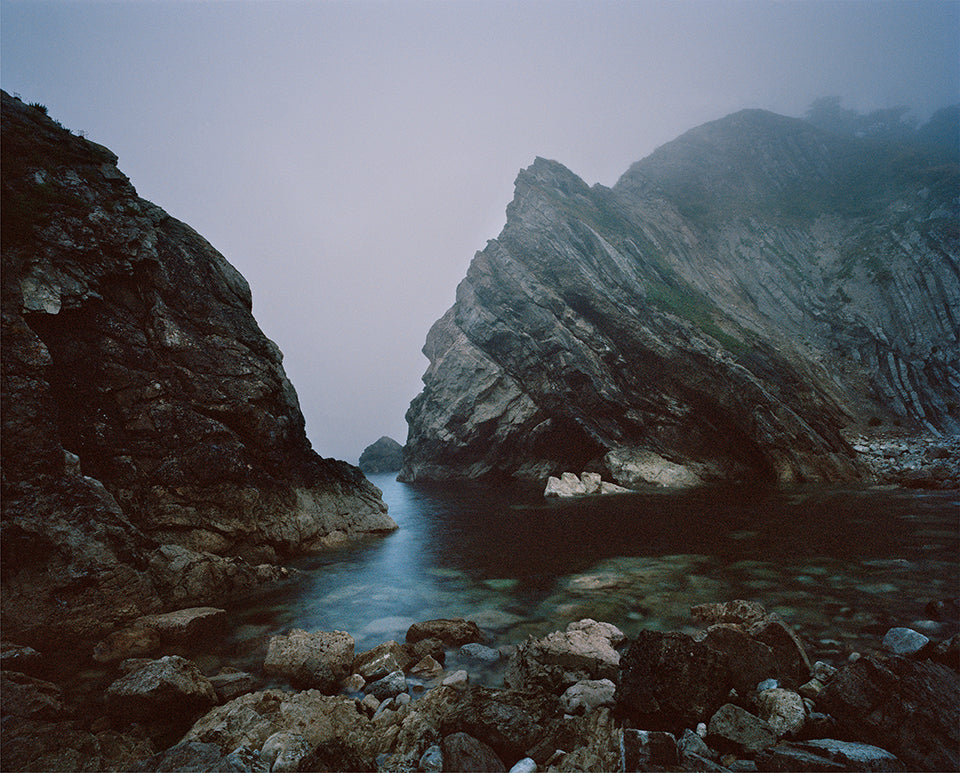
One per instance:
(677,327)
(169,689)
(142,404)
(320,660)
(386,455)
(783,710)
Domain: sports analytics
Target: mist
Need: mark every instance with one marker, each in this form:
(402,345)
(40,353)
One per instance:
(349,158)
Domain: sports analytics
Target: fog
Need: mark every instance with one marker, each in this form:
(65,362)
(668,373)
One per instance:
(349,158)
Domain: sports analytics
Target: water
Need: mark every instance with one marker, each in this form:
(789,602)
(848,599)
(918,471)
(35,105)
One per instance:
(841,566)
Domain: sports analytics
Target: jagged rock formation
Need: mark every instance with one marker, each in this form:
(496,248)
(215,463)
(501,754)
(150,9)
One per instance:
(386,455)
(142,405)
(734,302)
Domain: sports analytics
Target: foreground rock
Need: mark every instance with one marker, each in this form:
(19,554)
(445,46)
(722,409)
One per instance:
(320,660)
(142,405)
(168,690)
(673,330)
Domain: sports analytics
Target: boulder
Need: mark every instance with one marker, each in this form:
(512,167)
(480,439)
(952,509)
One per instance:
(591,482)
(670,681)
(320,660)
(638,467)
(583,697)
(479,653)
(736,730)
(464,752)
(453,633)
(381,660)
(185,625)
(426,668)
(131,642)
(783,710)
(905,706)
(171,689)
(390,685)
(585,650)
(29,697)
(567,485)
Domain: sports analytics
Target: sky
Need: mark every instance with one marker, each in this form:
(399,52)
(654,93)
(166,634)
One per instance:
(349,158)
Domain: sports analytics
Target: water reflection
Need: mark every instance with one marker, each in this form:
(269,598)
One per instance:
(841,566)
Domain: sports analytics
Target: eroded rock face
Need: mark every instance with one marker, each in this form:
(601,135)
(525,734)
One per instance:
(721,313)
(141,403)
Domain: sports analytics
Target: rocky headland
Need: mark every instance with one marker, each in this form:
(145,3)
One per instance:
(154,453)
(734,691)
(741,305)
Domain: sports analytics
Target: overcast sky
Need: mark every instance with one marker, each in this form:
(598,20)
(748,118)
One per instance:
(349,158)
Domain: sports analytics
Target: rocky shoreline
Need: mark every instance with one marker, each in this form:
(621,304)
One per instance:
(737,692)
(911,461)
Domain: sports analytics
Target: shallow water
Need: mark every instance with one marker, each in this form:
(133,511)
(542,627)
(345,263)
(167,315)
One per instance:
(841,566)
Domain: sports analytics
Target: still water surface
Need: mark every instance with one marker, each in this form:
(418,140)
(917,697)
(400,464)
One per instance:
(841,566)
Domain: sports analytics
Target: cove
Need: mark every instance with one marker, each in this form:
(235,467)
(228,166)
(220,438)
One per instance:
(840,565)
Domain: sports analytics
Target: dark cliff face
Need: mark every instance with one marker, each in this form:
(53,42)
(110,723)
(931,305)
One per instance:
(722,313)
(129,343)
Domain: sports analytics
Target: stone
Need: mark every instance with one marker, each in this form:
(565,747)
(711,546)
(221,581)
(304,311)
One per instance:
(591,482)
(185,757)
(670,681)
(320,660)
(567,485)
(426,668)
(525,765)
(389,686)
(904,641)
(430,646)
(371,703)
(857,756)
(905,706)
(20,658)
(186,625)
(432,760)
(464,752)
(131,642)
(385,455)
(783,710)
(453,633)
(612,488)
(479,653)
(649,750)
(243,760)
(230,685)
(637,467)
(811,689)
(736,730)
(748,661)
(28,697)
(555,661)
(690,743)
(456,678)
(738,612)
(583,697)
(171,689)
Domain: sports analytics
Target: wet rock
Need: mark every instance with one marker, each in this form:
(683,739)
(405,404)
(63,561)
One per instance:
(353,683)
(380,661)
(387,687)
(585,696)
(320,660)
(169,689)
(29,697)
(907,707)
(671,681)
(904,641)
(585,650)
(283,751)
(453,633)
(649,750)
(463,752)
(736,730)
(783,710)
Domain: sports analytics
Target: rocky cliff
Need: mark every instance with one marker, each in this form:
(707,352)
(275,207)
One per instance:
(142,405)
(733,304)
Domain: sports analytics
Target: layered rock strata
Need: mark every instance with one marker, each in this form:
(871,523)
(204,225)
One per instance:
(724,312)
(142,405)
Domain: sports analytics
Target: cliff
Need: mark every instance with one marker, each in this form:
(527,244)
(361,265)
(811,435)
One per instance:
(142,405)
(733,304)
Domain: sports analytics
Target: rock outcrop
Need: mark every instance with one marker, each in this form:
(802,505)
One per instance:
(728,309)
(386,455)
(142,406)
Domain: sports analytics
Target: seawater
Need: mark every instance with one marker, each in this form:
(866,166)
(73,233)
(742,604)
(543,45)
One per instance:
(841,566)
